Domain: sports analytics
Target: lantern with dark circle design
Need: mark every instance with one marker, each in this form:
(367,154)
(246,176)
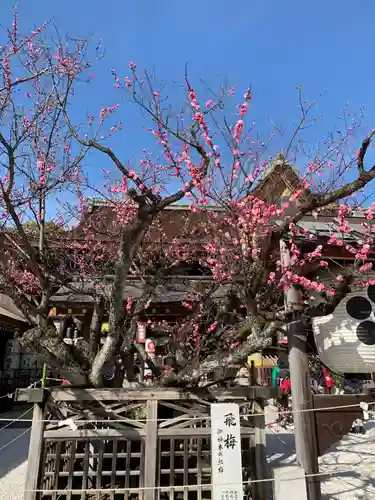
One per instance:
(345,340)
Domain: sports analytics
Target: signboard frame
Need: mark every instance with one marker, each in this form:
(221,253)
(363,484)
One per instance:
(226,453)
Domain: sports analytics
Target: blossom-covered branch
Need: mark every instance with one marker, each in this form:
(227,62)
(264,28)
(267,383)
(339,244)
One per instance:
(204,209)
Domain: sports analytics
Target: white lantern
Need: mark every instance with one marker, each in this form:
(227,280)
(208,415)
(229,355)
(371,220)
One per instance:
(147,372)
(150,348)
(141,333)
(345,340)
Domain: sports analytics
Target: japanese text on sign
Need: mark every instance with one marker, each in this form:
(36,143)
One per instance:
(226,452)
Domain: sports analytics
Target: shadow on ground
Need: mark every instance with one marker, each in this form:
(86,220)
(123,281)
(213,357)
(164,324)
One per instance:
(280,449)
(14,439)
(349,464)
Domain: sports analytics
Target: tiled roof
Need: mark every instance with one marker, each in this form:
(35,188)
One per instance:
(173,292)
(9,310)
(325,226)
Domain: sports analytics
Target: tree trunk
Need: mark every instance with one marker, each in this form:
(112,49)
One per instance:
(255,342)
(131,240)
(96,327)
(58,355)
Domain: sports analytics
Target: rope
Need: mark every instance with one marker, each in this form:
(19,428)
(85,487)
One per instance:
(168,488)
(10,394)
(18,419)
(196,419)
(181,487)
(184,487)
(15,439)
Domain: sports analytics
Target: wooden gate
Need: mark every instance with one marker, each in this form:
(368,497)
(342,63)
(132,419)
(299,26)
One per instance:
(148,444)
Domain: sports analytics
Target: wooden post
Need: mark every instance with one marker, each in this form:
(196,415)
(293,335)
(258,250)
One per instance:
(253,380)
(35,453)
(263,489)
(304,425)
(151,450)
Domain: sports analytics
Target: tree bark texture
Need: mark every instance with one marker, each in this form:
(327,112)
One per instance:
(58,355)
(131,240)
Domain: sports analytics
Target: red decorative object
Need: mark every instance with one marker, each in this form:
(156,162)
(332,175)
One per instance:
(150,346)
(285,386)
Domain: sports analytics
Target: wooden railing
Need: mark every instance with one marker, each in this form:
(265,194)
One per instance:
(116,442)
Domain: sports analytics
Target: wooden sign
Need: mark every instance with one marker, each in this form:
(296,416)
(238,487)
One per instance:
(226,452)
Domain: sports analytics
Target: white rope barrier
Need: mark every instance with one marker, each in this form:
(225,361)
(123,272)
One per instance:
(10,394)
(18,419)
(197,419)
(15,439)
(184,487)
(167,488)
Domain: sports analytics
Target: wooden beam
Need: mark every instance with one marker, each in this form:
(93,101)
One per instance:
(149,393)
(70,434)
(184,432)
(32,395)
(66,434)
(322,400)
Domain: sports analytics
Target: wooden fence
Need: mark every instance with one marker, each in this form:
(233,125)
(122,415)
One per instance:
(111,443)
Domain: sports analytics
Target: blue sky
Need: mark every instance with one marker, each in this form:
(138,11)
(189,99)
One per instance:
(323,45)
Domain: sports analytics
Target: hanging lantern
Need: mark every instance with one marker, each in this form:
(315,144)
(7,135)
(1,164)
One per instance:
(345,339)
(141,333)
(147,373)
(150,348)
